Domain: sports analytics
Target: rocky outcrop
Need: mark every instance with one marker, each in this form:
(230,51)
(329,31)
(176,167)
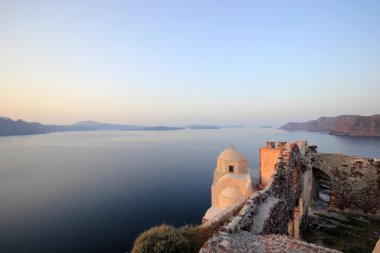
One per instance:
(351,125)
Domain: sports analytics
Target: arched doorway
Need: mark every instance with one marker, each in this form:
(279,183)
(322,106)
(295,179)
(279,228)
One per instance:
(321,189)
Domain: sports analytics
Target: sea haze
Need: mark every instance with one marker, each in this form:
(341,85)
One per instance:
(96,191)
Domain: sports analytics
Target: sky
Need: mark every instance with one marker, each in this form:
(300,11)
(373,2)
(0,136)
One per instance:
(183,62)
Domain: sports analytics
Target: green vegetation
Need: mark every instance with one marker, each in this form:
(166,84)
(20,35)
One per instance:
(168,239)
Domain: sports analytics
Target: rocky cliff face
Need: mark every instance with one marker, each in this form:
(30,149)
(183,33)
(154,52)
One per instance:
(352,125)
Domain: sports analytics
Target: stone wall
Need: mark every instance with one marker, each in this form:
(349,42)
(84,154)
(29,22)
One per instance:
(277,222)
(245,242)
(283,205)
(281,186)
(244,220)
(225,214)
(355,182)
(268,159)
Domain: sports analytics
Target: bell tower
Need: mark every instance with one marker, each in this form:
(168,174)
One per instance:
(232,182)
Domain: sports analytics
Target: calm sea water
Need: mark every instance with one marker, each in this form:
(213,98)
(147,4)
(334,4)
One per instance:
(96,191)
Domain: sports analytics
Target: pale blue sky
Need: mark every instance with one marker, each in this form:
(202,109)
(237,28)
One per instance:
(180,62)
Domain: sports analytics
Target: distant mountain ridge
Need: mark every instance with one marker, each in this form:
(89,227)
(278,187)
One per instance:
(93,125)
(350,125)
(10,127)
(20,127)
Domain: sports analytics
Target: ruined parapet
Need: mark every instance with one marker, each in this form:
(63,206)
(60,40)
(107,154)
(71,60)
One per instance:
(282,206)
(281,144)
(296,220)
(224,215)
(302,145)
(244,220)
(281,187)
(279,207)
(312,149)
(354,182)
(277,219)
(242,241)
(271,144)
(268,158)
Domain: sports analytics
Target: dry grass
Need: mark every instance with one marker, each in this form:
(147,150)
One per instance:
(353,235)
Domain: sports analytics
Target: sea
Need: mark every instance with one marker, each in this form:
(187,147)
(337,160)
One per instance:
(96,191)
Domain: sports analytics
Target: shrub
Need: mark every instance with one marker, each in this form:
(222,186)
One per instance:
(161,239)
(167,239)
(196,236)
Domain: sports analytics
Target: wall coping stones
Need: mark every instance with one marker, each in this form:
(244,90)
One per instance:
(245,242)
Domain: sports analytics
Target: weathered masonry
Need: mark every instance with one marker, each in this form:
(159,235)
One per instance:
(295,179)
(353,182)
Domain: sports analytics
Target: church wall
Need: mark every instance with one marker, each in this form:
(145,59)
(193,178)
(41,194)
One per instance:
(223,169)
(243,167)
(226,202)
(244,187)
(223,165)
(239,167)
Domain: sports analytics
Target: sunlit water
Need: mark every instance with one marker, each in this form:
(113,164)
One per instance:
(95,191)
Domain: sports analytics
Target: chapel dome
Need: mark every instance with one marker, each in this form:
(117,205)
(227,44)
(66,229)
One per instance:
(232,154)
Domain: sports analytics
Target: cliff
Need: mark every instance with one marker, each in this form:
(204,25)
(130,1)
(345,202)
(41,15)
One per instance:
(351,125)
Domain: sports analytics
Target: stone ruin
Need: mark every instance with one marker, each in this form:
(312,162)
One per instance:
(293,178)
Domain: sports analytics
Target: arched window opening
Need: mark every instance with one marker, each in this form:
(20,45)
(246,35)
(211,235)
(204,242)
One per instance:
(321,188)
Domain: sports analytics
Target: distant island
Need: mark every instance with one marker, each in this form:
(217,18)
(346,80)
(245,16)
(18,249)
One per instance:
(349,125)
(211,126)
(19,127)
(158,128)
(202,127)
(9,127)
